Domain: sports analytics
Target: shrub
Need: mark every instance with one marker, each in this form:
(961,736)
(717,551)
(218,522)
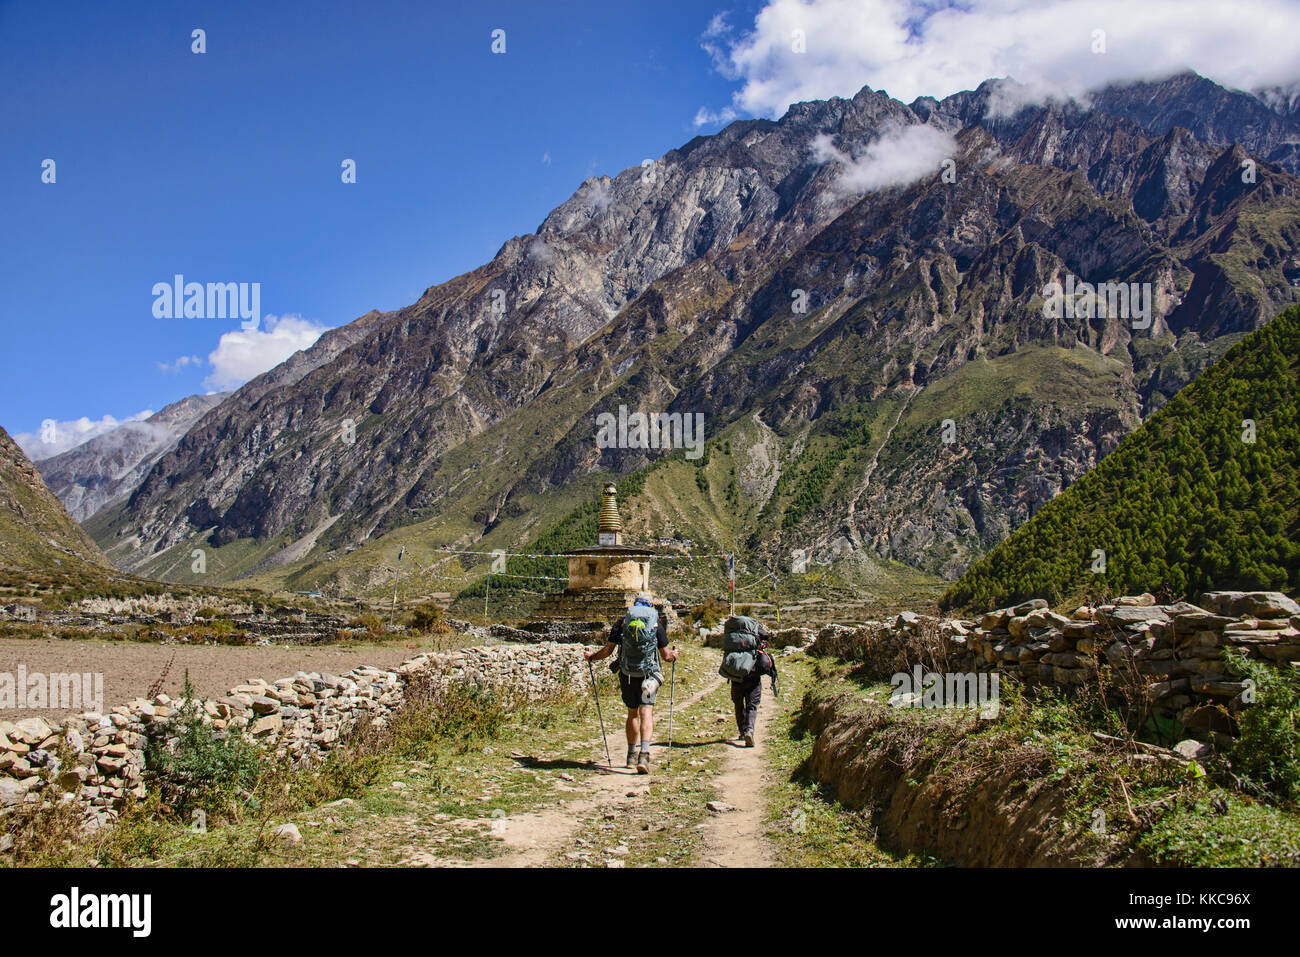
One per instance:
(202,768)
(1266,756)
(709,613)
(369,621)
(427,618)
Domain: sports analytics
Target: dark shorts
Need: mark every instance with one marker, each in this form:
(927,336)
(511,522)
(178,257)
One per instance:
(632,691)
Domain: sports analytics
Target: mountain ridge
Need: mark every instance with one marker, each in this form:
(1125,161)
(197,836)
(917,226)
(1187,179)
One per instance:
(1203,495)
(905,286)
(109,467)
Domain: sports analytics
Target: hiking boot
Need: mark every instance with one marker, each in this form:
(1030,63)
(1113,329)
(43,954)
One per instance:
(631,757)
(643,763)
(749,739)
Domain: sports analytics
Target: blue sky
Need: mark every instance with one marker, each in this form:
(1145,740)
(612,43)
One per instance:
(225,166)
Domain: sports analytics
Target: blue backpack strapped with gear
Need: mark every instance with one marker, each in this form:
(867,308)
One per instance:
(639,648)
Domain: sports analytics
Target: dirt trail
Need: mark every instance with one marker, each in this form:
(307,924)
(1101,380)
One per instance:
(595,812)
(736,838)
(534,837)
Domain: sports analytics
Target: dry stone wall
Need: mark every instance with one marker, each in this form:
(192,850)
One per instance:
(1174,652)
(99,760)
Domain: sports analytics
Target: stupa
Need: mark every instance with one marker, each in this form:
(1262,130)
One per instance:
(603,579)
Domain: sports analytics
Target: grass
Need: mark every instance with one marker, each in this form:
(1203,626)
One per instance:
(806,825)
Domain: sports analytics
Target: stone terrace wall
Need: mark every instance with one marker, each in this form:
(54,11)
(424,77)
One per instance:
(1176,651)
(302,718)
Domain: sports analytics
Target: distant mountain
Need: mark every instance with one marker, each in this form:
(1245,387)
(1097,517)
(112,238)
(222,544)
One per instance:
(1205,494)
(106,469)
(851,296)
(35,530)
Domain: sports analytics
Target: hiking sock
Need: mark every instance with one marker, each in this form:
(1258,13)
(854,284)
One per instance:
(645,746)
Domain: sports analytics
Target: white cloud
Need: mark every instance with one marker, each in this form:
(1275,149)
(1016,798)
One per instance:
(707,117)
(539,252)
(599,195)
(180,363)
(912,48)
(244,353)
(901,155)
(55,437)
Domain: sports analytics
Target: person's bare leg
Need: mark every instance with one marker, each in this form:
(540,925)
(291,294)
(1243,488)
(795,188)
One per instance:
(633,729)
(647,730)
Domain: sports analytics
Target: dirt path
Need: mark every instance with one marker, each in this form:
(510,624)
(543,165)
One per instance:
(735,838)
(535,837)
(548,797)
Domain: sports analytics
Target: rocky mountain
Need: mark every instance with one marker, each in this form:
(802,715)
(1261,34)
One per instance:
(36,532)
(107,468)
(856,299)
(1207,491)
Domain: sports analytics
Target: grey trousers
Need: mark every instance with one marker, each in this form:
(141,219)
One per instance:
(745,698)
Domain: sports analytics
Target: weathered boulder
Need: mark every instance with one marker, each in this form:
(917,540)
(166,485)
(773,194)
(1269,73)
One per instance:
(1256,604)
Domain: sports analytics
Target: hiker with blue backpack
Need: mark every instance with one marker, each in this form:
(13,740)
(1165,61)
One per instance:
(745,659)
(641,638)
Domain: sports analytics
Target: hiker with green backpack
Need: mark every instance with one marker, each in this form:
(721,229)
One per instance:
(745,659)
(641,638)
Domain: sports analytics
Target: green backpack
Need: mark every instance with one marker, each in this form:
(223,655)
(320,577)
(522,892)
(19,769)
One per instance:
(639,645)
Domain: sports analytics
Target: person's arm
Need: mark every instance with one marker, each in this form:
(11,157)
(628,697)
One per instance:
(666,653)
(597,654)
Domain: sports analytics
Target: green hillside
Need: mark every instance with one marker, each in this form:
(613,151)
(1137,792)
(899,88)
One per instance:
(1205,494)
(35,529)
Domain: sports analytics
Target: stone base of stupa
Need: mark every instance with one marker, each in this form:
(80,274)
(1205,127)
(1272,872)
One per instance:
(595,604)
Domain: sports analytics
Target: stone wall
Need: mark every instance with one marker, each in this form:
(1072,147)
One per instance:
(796,637)
(1171,653)
(99,760)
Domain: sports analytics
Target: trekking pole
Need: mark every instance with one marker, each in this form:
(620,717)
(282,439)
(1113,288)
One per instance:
(596,694)
(672,691)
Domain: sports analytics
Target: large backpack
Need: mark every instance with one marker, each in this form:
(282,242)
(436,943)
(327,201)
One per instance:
(742,633)
(639,647)
(743,644)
